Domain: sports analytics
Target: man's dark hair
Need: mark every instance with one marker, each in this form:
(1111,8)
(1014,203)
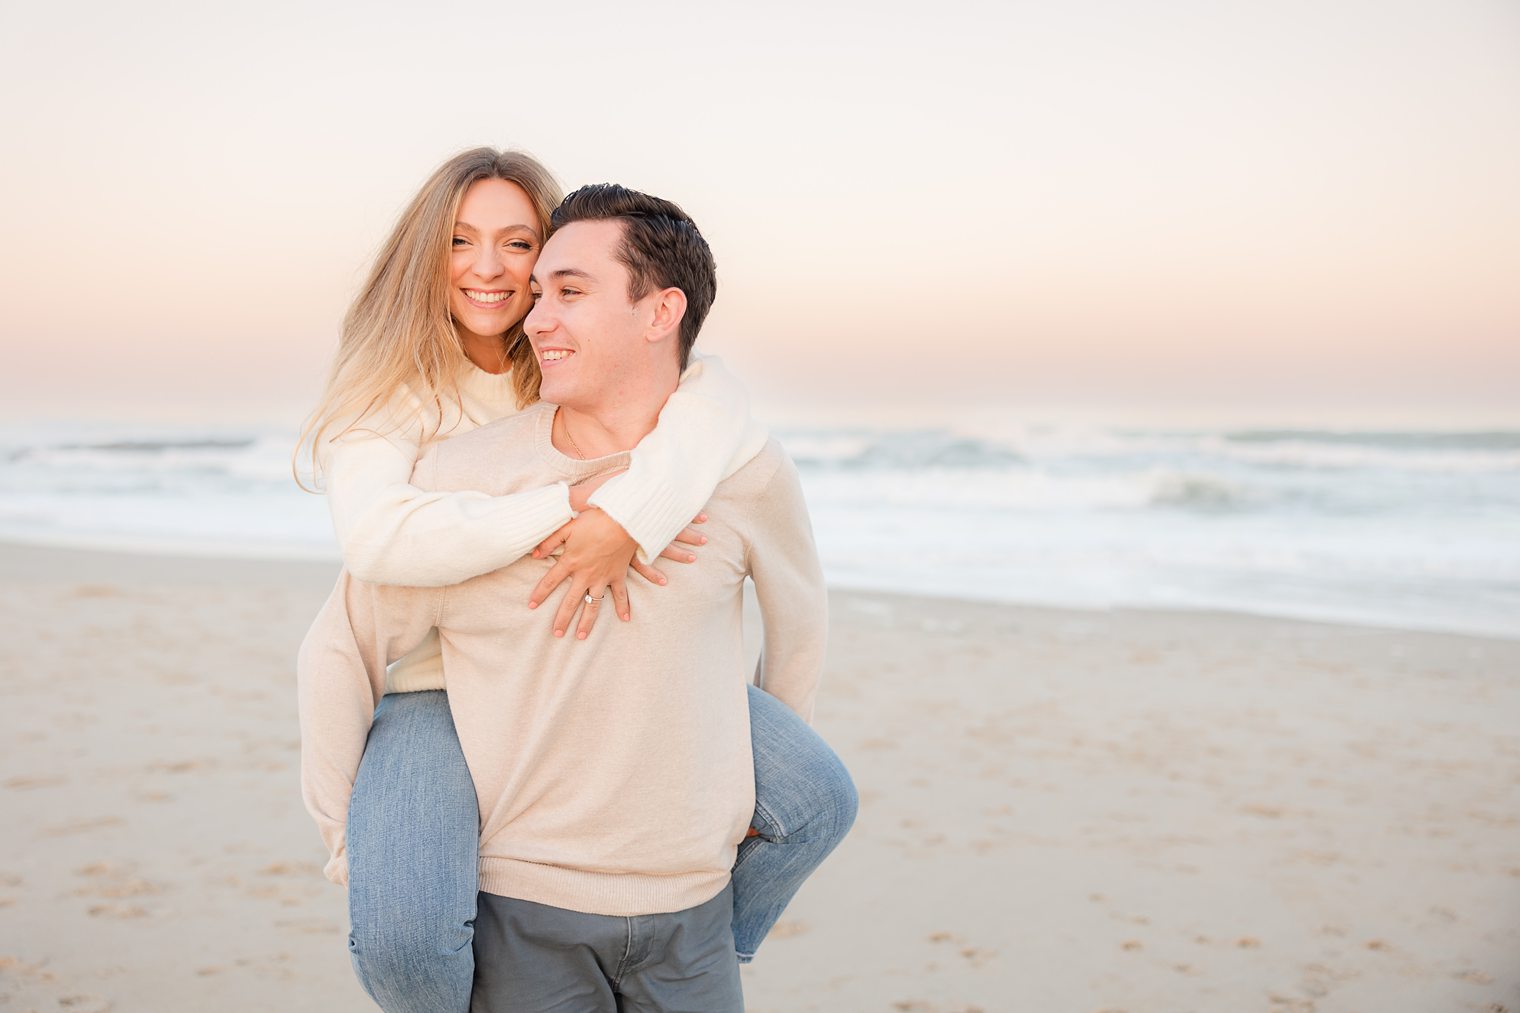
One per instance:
(661,248)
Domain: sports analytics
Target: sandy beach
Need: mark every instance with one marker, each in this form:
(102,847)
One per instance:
(1061,811)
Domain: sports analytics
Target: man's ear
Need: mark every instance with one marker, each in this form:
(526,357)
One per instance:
(669,309)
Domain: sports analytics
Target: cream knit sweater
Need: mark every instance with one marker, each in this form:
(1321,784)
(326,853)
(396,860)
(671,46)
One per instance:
(614,774)
(391,532)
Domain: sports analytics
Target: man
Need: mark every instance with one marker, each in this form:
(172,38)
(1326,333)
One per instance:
(614,774)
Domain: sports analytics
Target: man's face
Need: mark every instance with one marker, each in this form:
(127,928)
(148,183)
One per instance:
(584,330)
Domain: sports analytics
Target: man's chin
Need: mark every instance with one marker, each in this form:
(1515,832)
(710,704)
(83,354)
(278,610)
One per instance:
(555,393)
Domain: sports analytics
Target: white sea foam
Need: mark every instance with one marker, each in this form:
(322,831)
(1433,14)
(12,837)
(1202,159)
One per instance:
(1403,529)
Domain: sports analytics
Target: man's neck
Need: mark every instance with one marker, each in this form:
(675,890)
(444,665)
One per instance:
(586,434)
(626,409)
(613,425)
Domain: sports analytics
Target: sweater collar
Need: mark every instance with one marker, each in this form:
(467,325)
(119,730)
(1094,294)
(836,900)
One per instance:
(493,388)
(543,438)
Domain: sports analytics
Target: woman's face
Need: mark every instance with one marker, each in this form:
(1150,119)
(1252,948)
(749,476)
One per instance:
(495,243)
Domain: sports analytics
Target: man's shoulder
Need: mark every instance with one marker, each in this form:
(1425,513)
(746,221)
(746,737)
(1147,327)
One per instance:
(459,461)
(757,475)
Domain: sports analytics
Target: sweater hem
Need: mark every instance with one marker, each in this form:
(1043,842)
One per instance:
(599,893)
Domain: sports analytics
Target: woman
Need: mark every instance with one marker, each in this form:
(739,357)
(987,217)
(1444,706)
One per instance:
(433,346)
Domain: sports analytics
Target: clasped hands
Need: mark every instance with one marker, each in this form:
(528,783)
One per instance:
(596,554)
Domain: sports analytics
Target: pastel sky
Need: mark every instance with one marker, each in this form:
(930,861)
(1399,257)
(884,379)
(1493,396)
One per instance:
(1281,211)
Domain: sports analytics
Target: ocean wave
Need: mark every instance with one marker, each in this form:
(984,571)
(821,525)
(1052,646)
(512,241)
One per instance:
(1200,494)
(133,447)
(1407,526)
(1126,450)
(1491,439)
(915,450)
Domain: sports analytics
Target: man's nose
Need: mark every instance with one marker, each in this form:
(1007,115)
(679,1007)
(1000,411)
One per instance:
(539,320)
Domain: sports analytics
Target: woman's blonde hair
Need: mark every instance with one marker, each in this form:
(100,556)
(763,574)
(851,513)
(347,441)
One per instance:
(398,332)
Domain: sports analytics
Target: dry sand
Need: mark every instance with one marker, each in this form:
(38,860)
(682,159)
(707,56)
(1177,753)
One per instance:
(1060,810)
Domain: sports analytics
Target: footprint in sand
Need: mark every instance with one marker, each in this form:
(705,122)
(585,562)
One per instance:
(83,826)
(40,984)
(110,881)
(179,766)
(302,870)
(120,911)
(788,928)
(975,954)
(29,783)
(310,926)
(95,591)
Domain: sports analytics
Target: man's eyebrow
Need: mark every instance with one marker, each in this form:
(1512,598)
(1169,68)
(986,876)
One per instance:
(564,272)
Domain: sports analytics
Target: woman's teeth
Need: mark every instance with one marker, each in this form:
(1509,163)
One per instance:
(488,296)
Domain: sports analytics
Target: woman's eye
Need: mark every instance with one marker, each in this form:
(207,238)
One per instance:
(460,241)
(520,244)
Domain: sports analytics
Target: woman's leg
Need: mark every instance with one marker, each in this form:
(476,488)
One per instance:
(413,841)
(804,805)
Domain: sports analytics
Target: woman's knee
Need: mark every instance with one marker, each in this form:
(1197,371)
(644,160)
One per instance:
(830,803)
(396,957)
(801,785)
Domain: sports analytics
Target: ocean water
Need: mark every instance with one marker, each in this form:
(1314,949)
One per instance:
(1415,530)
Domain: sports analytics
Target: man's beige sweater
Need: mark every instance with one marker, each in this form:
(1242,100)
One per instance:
(614,774)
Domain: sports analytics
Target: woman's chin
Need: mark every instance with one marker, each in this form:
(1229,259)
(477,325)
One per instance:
(492,323)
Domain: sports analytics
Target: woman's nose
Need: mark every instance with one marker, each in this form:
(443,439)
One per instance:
(488,262)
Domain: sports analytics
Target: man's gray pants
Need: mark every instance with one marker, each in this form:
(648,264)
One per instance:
(532,958)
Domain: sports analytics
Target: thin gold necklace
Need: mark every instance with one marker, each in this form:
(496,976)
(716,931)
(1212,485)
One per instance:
(564,424)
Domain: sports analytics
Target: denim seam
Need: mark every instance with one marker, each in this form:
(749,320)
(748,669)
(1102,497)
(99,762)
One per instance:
(743,853)
(771,821)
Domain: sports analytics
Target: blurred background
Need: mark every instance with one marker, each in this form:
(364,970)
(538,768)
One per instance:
(1201,305)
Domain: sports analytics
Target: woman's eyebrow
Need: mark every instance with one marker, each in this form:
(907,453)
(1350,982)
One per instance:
(462,226)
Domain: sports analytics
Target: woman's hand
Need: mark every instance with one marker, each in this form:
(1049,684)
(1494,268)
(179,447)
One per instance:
(597,555)
(580,492)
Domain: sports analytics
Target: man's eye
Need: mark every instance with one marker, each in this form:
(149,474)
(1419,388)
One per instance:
(536,296)
(568,292)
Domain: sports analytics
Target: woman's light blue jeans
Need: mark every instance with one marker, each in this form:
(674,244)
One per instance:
(414,835)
